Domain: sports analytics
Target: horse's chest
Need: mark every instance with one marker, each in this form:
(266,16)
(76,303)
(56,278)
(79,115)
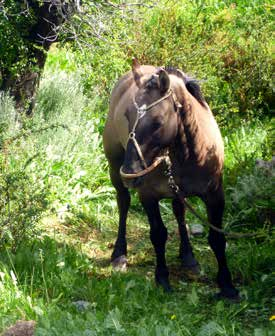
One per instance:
(190,182)
(156,187)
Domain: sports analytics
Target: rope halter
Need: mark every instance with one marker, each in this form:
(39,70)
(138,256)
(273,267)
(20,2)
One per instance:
(141,111)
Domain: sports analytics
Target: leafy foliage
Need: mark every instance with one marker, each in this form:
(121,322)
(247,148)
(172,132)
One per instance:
(58,165)
(224,44)
(251,199)
(23,194)
(15,22)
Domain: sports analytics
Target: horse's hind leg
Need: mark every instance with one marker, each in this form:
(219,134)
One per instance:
(158,236)
(118,257)
(186,253)
(215,206)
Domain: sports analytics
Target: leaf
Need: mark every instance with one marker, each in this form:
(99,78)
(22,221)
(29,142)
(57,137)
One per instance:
(193,297)
(130,284)
(57,166)
(220,307)
(260,332)
(210,329)
(112,320)
(38,311)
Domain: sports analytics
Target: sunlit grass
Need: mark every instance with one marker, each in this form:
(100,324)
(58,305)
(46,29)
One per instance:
(43,279)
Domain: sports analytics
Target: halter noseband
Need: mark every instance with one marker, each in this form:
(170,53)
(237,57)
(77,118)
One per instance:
(141,111)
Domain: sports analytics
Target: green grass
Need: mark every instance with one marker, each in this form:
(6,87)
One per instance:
(45,276)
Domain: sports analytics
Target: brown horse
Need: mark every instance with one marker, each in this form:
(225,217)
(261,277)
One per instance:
(156,112)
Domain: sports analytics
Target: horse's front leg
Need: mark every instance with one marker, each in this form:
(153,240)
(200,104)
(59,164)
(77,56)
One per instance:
(158,236)
(215,206)
(118,258)
(186,253)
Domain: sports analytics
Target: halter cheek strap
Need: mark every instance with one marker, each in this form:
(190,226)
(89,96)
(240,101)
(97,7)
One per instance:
(141,111)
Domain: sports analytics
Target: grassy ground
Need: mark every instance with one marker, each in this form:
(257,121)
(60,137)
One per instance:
(66,264)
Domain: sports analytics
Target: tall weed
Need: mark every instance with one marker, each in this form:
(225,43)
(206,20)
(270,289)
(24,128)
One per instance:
(249,189)
(52,161)
(23,194)
(244,144)
(73,163)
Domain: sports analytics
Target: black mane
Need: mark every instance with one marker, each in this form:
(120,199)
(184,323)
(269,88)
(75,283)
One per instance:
(191,84)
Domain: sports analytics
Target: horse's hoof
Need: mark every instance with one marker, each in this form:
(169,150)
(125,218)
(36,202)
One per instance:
(165,284)
(120,263)
(193,270)
(190,264)
(229,293)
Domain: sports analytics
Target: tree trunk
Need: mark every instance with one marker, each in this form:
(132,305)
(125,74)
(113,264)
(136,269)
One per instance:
(48,18)
(23,86)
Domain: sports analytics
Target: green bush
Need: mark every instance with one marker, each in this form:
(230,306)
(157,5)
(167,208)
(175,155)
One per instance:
(244,144)
(225,44)
(251,199)
(14,47)
(23,194)
(248,188)
(74,164)
(52,161)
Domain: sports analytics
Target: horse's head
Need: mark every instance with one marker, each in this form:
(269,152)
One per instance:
(153,124)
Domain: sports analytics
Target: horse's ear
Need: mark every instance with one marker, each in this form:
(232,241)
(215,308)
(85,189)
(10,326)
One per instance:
(136,71)
(164,81)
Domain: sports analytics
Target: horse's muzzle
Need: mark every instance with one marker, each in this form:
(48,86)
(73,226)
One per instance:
(131,182)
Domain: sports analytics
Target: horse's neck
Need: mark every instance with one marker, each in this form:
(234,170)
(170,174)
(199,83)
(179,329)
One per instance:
(188,144)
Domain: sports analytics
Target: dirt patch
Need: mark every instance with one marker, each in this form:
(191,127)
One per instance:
(21,328)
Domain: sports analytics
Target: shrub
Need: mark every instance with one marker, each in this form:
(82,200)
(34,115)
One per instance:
(248,188)
(52,161)
(225,44)
(74,165)
(244,144)
(251,199)
(23,195)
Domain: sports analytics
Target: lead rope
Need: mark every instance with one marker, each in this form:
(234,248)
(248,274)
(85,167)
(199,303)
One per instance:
(180,195)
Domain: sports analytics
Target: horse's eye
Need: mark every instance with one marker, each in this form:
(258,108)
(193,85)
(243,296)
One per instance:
(151,83)
(156,125)
(148,85)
